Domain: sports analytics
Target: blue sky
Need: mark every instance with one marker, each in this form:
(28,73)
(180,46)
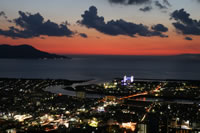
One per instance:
(59,10)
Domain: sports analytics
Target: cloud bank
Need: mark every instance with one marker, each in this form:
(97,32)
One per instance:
(33,25)
(184,24)
(164,5)
(129,2)
(90,19)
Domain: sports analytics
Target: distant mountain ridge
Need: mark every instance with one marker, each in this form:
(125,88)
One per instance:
(190,55)
(25,51)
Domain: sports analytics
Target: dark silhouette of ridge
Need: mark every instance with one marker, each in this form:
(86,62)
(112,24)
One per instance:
(25,52)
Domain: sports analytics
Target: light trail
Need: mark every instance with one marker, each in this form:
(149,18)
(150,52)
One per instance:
(134,95)
(144,93)
(139,94)
(151,106)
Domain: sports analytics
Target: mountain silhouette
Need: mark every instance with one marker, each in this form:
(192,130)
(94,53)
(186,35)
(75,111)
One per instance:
(25,51)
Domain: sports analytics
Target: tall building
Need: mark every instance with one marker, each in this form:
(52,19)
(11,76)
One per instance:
(142,128)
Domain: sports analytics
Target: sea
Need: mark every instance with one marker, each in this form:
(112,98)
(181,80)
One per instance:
(102,68)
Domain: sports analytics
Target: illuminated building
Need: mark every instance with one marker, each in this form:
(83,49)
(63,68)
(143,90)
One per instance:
(101,109)
(93,122)
(142,128)
(126,80)
(129,125)
(11,131)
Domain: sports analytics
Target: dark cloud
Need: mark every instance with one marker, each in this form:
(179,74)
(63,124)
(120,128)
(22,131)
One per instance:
(129,2)
(2,13)
(166,2)
(90,19)
(182,16)
(83,35)
(146,9)
(159,5)
(184,24)
(188,38)
(33,25)
(160,28)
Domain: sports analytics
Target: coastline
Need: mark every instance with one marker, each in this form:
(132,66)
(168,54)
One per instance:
(74,86)
(87,80)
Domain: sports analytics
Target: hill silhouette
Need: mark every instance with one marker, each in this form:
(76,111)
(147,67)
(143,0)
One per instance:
(25,52)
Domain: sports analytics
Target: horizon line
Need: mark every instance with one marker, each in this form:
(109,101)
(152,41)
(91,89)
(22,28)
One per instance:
(93,54)
(129,54)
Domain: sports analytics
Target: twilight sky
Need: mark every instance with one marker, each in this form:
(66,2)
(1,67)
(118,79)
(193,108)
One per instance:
(114,27)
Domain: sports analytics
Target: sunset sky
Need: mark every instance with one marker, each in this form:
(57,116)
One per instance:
(108,27)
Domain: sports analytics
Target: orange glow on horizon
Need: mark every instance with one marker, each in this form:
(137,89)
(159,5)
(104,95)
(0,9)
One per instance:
(100,44)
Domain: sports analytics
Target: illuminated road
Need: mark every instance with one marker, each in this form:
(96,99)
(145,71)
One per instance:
(139,94)
(144,93)
(134,95)
(151,106)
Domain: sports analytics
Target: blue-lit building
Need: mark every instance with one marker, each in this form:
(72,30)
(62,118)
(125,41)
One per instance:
(127,80)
